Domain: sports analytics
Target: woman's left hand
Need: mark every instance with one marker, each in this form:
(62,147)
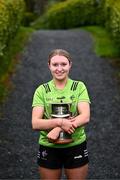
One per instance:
(73,120)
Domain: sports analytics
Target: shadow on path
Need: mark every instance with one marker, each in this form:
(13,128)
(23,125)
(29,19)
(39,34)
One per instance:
(18,143)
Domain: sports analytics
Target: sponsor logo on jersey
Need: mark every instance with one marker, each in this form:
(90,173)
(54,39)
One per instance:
(72,97)
(78,157)
(63,97)
(49,99)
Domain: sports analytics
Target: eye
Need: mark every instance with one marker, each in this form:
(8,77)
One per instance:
(55,64)
(64,64)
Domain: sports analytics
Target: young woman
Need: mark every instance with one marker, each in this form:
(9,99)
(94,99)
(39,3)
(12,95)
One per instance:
(73,156)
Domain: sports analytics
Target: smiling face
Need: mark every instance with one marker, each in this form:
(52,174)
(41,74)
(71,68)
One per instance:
(59,66)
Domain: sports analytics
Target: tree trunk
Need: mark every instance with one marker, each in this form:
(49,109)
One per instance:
(39,6)
(30,5)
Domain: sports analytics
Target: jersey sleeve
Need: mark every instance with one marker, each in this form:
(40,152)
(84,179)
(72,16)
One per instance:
(38,98)
(83,93)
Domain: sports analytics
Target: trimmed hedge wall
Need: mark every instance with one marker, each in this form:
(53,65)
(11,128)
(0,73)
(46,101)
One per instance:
(70,14)
(76,13)
(112,12)
(11,14)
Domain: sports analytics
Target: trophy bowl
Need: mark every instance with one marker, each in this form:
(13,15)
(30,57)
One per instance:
(62,111)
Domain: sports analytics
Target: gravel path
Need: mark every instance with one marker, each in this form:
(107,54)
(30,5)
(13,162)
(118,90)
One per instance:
(18,143)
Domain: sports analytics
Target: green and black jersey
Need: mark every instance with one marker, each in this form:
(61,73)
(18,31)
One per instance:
(73,93)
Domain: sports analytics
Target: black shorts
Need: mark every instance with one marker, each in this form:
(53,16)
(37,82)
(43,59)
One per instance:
(55,158)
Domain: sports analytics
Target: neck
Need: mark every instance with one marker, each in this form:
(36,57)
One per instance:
(60,84)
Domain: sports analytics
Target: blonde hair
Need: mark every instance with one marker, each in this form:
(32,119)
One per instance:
(60,52)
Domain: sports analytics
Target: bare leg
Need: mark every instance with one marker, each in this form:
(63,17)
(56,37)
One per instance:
(50,174)
(77,173)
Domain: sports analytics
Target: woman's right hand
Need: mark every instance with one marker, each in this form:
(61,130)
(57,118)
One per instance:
(54,134)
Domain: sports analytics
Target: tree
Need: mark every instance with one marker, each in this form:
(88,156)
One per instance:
(40,6)
(30,5)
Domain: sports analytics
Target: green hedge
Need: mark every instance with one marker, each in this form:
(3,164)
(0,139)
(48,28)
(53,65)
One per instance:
(11,14)
(77,13)
(112,12)
(70,14)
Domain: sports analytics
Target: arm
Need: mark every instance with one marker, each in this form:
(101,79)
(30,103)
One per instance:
(84,114)
(38,123)
(54,134)
(80,120)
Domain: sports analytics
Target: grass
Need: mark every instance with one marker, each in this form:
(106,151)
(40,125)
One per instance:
(104,46)
(10,59)
(103,43)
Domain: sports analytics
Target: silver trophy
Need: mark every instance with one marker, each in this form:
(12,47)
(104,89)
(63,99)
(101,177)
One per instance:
(62,111)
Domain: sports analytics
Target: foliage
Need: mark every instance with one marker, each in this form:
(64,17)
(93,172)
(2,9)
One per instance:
(77,13)
(30,5)
(103,43)
(70,13)
(11,57)
(11,13)
(112,12)
(28,18)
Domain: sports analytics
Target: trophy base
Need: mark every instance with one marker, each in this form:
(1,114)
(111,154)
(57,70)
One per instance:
(64,138)
(63,141)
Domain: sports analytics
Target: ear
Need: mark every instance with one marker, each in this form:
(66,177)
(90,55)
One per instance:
(48,65)
(70,65)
